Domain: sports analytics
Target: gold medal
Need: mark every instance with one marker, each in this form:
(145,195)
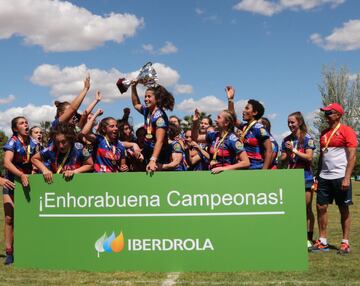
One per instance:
(113,162)
(148,136)
(213,162)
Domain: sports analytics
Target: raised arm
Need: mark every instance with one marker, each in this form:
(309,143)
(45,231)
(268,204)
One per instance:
(75,104)
(134,96)
(195,128)
(86,131)
(89,109)
(230,93)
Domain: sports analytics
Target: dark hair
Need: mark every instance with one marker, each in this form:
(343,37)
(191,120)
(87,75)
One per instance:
(121,125)
(266,123)
(103,123)
(60,107)
(177,118)
(14,122)
(230,118)
(173,131)
(63,128)
(302,125)
(164,99)
(257,107)
(139,130)
(209,119)
(32,129)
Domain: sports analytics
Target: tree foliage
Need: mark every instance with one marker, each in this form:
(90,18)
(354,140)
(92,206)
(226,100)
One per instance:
(3,140)
(338,87)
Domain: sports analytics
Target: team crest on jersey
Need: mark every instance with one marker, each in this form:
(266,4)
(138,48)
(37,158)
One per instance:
(78,145)
(263,132)
(311,143)
(86,152)
(160,122)
(177,147)
(238,145)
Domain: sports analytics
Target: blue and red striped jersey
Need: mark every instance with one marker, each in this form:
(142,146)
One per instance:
(107,155)
(228,149)
(53,160)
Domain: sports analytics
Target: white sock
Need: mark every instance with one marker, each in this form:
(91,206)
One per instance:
(345,241)
(323,240)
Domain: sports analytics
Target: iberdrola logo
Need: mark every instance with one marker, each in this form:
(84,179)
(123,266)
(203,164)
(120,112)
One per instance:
(110,243)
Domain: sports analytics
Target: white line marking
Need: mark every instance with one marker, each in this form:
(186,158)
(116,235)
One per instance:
(164,214)
(171,279)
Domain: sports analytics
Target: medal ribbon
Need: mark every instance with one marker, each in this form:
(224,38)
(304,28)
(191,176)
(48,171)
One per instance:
(217,145)
(112,148)
(242,137)
(327,141)
(58,169)
(26,149)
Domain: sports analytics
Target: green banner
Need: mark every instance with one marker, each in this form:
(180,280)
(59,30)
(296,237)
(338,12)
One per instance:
(172,221)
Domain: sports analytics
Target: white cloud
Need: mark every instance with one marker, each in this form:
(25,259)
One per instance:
(168,48)
(59,26)
(34,114)
(209,104)
(271,115)
(8,99)
(67,82)
(346,38)
(269,8)
(199,11)
(183,88)
(149,48)
(258,6)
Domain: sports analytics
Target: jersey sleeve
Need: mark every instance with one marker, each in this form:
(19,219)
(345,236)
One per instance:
(350,137)
(10,145)
(236,145)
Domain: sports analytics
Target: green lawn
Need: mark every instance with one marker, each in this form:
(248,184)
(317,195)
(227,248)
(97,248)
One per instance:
(324,268)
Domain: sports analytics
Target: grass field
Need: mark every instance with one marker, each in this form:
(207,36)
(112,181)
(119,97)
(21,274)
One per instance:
(324,268)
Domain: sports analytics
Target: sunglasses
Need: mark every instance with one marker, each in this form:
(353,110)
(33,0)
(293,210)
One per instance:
(329,112)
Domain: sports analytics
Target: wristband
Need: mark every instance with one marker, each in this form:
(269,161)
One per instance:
(153,159)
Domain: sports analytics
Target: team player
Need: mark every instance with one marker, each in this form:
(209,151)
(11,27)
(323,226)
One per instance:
(17,163)
(178,157)
(156,148)
(274,145)
(226,150)
(67,112)
(298,149)
(108,152)
(337,159)
(64,155)
(197,157)
(254,136)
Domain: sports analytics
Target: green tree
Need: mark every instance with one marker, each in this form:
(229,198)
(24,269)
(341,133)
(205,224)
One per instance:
(187,120)
(337,87)
(45,125)
(3,140)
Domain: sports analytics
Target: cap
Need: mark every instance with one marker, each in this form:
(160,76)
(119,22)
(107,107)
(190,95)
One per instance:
(333,106)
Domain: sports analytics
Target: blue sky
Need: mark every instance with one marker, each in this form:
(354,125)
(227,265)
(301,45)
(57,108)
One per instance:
(272,51)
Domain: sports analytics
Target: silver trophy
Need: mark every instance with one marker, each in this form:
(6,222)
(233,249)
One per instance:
(147,76)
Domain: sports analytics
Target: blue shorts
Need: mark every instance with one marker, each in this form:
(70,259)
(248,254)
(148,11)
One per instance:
(328,190)
(7,191)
